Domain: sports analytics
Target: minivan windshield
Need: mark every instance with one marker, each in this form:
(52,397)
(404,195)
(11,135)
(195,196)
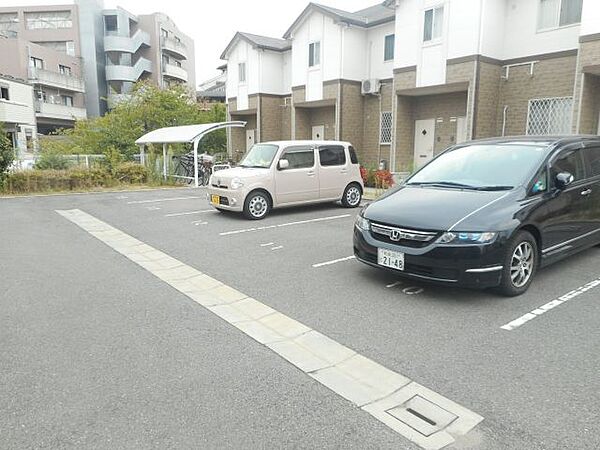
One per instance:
(260,156)
(482,167)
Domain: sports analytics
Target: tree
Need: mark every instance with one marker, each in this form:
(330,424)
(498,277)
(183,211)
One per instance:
(148,108)
(7,153)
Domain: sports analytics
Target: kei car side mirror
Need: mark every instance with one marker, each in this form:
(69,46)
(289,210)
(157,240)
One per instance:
(283,164)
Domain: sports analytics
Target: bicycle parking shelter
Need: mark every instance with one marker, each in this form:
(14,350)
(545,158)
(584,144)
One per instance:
(186,134)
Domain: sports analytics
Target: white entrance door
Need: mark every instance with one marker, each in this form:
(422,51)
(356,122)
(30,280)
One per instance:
(461,129)
(424,141)
(250,138)
(318,132)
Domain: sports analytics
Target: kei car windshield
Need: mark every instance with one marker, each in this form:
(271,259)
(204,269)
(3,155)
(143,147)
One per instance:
(259,156)
(482,166)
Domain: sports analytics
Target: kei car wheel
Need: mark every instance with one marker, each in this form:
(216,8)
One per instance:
(352,196)
(257,205)
(520,264)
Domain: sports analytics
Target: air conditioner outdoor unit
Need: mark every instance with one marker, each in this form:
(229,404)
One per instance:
(370,87)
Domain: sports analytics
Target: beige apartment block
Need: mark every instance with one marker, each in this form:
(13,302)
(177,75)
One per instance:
(17,113)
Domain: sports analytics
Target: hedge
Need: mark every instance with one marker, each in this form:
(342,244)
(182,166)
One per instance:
(76,179)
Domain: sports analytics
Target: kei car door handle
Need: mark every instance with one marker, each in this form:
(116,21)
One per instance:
(586,192)
(311,173)
(344,171)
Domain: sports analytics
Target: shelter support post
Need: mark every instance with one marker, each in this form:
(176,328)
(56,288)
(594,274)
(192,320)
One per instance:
(196,162)
(165,161)
(142,155)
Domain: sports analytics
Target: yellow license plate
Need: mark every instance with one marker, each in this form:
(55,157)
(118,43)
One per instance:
(215,199)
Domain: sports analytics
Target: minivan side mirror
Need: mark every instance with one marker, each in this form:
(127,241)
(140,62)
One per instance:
(564,179)
(283,164)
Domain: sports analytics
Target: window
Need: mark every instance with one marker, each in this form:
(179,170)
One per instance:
(540,182)
(177,63)
(592,155)
(66,100)
(314,54)
(111,24)
(9,24)
(388,51)
(36,62)
(164,33)
(548,116)
(4,93)
(299,157)
(385,128)
(558,13)
(353,157)
(48,20)
(434,23)
(242,72)
(569,161)
(65,70)
(332,155)
(70,45)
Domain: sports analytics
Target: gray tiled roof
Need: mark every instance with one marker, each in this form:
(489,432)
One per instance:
(267,42)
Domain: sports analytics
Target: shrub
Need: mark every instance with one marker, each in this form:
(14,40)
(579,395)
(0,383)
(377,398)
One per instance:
(7,154)
(51,159)
(131,173)
(384,179)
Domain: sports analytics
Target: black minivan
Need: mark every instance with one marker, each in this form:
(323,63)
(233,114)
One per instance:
(488,213)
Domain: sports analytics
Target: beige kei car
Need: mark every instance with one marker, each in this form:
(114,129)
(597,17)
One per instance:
(288,173)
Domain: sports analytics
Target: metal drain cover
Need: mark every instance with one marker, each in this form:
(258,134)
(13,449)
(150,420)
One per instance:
(422,415)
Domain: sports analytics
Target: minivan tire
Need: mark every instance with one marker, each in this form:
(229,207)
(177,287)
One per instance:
(257,205)
(522,243)
(352,196)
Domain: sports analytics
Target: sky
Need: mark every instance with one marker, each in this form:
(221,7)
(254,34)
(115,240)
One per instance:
(213,23)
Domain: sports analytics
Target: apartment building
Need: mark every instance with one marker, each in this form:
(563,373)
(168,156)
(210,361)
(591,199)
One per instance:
(82,58)
(145,47)
(405,79)
(17,113)
(41,45)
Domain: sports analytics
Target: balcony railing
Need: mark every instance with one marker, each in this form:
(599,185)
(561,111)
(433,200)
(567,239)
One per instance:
(117,43)
(174,46)
(56,79)
(128,73)
(59,111)
(170,70)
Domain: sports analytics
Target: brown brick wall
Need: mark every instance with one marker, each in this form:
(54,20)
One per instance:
(551,78)
(486,106)
(406,79)
(590,105)
(299,94)
(270,117)
(286,119)
(238,135)
(584,102)
(352,115)
(371,152)
(405,130)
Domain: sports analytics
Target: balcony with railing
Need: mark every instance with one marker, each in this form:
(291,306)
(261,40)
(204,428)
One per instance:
(173,46)
(59,111)
(56,79)
(173,71)
(129,44)
(115,72)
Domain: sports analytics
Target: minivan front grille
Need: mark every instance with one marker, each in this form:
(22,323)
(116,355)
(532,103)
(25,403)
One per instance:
(402,236)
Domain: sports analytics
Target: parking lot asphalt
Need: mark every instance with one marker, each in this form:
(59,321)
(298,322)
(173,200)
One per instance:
(95,351)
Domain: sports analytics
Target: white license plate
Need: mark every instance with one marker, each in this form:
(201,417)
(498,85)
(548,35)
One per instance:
(390,258)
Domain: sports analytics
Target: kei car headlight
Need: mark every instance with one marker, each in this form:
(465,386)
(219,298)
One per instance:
(362,223)
(462,238)
(236,183)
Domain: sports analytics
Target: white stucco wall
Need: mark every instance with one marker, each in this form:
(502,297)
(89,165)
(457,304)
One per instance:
(375,44)
(590,17)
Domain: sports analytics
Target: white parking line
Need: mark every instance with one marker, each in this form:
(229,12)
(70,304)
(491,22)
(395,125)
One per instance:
(394,284)
(172,199)
(550,305)
(268,227)
(152,208)
(279,247)
(199,222)
(335,261)
(268,244)
(406,407)
(189,213)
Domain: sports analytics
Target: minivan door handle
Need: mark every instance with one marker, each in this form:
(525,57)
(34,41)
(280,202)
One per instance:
(586,192)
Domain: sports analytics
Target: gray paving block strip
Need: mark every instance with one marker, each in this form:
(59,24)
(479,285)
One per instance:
(417,413)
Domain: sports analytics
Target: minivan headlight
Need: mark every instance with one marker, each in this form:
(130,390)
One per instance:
(236,183)
(463,237)
(362,223)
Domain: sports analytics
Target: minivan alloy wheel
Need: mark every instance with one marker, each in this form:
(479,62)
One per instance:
(521,265)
